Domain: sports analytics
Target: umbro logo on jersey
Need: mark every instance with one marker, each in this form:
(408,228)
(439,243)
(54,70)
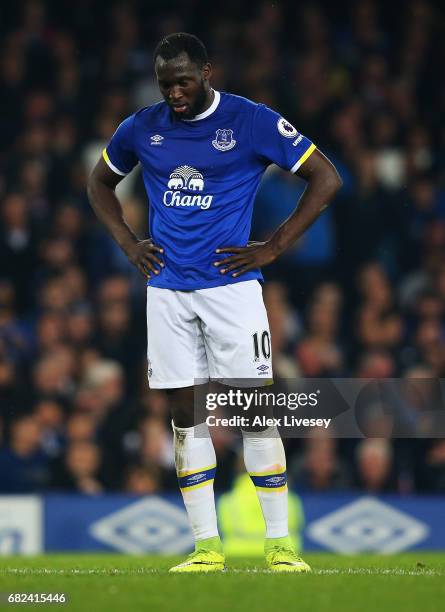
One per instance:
(186,178)
(224,140)
(156,139)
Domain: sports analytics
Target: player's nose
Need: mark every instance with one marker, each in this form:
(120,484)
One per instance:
(175,94)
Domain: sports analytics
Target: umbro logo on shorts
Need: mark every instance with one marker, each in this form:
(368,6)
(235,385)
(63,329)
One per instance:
(263,369)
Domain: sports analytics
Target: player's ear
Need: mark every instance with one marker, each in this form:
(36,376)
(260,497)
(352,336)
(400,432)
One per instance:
(207,71)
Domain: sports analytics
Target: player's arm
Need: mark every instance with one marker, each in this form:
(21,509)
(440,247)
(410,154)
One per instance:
(323,182)
(101,193)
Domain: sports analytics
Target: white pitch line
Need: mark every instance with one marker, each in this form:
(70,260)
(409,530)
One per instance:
(363,571)
(359,571)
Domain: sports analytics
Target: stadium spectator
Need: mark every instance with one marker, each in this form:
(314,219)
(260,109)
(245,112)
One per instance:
(320,468)
(379,323)
(319,353)
(49,415)
(431,472)
(24,467)
(156,449)
(81,469)
(284,326)
(80,427)
(142,480)
(375,465)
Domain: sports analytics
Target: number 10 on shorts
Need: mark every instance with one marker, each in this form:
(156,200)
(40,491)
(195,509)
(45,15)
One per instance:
(261,341)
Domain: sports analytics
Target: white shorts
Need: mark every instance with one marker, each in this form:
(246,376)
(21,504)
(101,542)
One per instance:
(221,333)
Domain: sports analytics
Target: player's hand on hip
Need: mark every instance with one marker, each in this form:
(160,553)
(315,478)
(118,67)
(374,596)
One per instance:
(243,259)
(144,255)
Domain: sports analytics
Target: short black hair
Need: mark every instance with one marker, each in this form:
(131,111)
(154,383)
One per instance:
(174,44)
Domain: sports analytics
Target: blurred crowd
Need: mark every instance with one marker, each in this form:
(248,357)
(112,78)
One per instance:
(362,294)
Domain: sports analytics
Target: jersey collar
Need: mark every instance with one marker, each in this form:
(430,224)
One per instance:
(212,108)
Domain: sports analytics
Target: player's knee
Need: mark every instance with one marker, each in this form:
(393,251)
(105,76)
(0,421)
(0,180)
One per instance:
(182,407)
(183,417)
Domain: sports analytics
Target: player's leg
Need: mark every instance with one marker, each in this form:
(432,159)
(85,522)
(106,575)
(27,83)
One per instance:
(265,461)
(236,331)
(195,462)
(176,358)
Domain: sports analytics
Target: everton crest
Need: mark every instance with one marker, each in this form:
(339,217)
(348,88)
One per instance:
(224,140)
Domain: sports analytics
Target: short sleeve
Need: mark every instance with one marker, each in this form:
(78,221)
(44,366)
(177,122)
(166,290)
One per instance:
(119,153)
(277,141)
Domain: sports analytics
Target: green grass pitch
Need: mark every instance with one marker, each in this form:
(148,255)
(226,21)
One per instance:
(362,583)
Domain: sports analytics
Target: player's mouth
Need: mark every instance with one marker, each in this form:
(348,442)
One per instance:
(180,108)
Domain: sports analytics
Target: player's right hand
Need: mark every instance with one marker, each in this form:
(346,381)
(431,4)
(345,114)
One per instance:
(143,254)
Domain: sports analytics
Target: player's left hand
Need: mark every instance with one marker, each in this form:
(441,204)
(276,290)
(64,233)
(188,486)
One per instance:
(243,259)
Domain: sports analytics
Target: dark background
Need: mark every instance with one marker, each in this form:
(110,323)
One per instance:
(362,294)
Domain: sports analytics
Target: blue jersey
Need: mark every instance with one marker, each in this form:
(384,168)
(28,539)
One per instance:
(201,177)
